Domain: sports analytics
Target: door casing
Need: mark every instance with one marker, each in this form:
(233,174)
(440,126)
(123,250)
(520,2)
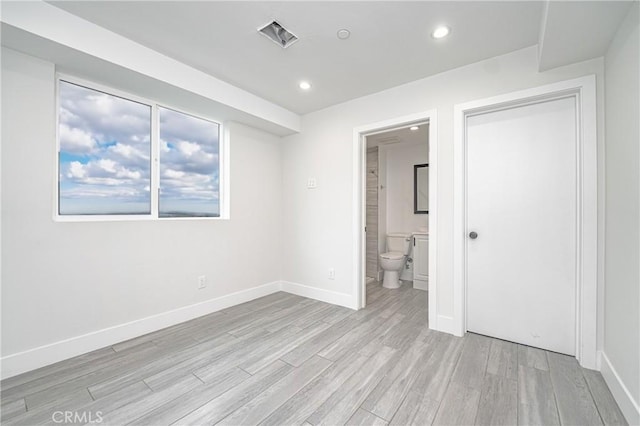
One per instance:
(584,91)
(359,198)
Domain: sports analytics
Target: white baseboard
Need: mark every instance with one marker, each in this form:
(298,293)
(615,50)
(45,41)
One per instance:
(629,407)
(599,360)
(443,323)
(41,356)
(31,359)
(328,296)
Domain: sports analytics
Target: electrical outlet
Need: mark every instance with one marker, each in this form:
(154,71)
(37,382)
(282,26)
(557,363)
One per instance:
(312,183)
(202,282)
(332,274)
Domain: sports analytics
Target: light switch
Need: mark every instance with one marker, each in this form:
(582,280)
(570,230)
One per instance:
(311,183)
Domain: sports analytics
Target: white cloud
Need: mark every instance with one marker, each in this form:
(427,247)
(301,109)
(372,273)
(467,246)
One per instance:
(66,116)
(173,174)
(128,151)
(176,126)
(183,179)
(184,185)
(75,140)
(100,192)
(108,181)
(107,118)
(76,170)
(103,172)
(107,165)
(188,148)
(128,174)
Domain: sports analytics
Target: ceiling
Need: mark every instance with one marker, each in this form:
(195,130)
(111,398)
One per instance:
(575,31)
(403,135)
(390,42)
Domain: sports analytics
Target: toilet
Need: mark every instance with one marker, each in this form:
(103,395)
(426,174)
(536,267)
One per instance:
(392,262)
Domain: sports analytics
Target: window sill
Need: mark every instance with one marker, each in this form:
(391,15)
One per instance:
(130,218)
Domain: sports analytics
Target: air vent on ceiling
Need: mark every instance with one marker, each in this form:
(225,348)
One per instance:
(278,34)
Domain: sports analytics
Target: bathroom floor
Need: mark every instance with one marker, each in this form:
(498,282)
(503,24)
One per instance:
(285,359)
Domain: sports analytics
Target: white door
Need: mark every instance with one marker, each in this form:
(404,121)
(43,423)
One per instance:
(521,202)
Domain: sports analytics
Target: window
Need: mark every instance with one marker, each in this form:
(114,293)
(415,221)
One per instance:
(189,172)
(112,164)
(105,151)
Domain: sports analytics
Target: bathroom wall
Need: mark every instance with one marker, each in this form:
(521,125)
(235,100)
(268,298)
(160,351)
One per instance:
(372,212)
(382,205)
(398,188)
(400,159)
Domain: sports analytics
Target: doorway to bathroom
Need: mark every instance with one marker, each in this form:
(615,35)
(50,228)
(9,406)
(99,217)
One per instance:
(395,188)
(396,204)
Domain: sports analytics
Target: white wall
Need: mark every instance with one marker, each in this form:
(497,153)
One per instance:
(622,285)
(319,227)
(400,159)
(63,280)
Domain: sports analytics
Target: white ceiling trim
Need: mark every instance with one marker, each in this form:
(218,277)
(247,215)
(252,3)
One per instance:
(52,23)
(543,30)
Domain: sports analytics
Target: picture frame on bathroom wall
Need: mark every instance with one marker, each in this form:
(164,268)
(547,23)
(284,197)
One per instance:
(421,189)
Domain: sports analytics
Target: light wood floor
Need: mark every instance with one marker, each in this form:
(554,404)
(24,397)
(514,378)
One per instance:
(284,359)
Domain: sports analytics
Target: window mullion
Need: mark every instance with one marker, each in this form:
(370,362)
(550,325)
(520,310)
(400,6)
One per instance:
(155,161)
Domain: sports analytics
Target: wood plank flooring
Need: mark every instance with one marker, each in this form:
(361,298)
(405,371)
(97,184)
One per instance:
(288,360)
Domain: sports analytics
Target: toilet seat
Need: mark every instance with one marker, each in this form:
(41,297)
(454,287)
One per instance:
(392,255)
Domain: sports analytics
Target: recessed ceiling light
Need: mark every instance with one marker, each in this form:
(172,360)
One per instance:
(414,128)
(440,32)
(305,85)
(344,34)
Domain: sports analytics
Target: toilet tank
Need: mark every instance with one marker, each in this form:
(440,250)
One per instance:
(399,242)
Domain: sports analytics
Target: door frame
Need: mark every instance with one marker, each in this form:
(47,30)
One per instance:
(359,201)
(583,90)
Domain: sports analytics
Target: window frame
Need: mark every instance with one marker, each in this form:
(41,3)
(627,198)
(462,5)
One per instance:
(154,163)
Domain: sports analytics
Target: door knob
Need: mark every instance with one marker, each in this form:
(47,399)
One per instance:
(473,235)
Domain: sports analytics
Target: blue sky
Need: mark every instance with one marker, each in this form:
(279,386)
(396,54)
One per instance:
(105,158)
